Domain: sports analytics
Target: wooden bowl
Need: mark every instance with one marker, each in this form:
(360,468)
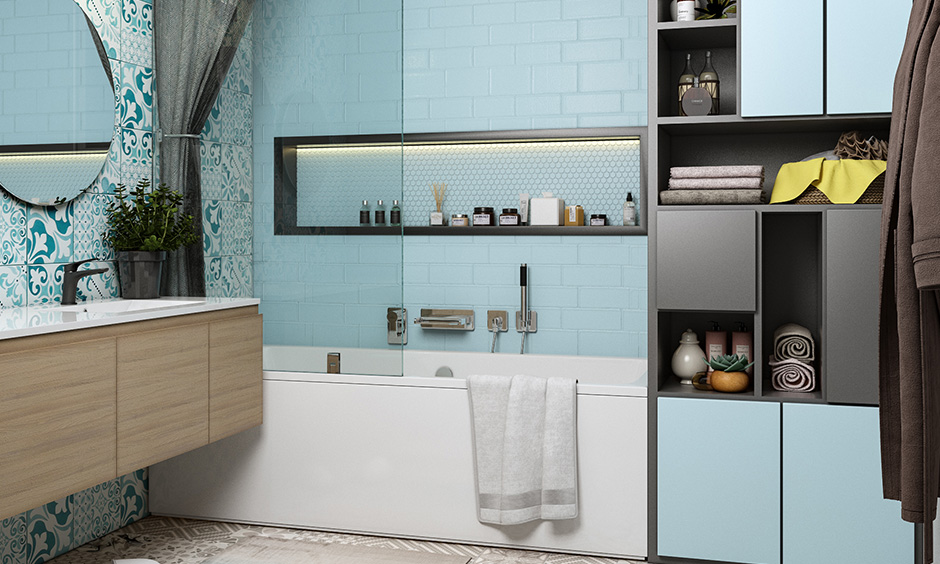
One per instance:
(730,382)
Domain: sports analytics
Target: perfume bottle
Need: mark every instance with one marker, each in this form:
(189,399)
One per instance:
(394,218)
(380,214)
(629,210)
(686,81)
(364,214)
(708,79)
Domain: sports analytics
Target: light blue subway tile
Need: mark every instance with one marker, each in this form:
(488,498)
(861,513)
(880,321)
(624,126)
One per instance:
(633,100)
(380,86)
(634,320)
(450,59)
(468,124)
(384,294)
(417,59)
(450,273)
(491,274)
(514,80)
(635,277)
(591,51)
(642,344)
(283,291)
(576,9)
(604,28)
(416,274)
(552,342)
(510,34)
(505,295)
(331,293)
(606,343)
(380,42)
(420,253)
(469,36)
(602,319)
(545,275)
(639,256)
(555,122)
(603,254)
(368,112)
(591,275)
(591,103)
(282,252)
(466,254)
(451,16)
(416,109)
(417,18)
(620,298)
(288,334)
(613,119)
(539,11)
(424,295)
(309,273)
(465,295)
(380,254)
(510,254)
(502,124)
(538,54)
(549,318)
(555,254)
(330,250)
(314,8)
(372,273)
(555,297)
(608,76)
(555,79)
(493,55)
(339,336)
(281,272)
(494,106)
(365,314)
(377,338)
(489,14)
(278,311)
(446,108)
(371,22)
(431,38)
(320,313)
(465,82)
(555,31)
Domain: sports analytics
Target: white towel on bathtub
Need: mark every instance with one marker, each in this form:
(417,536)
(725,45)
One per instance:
(524,447)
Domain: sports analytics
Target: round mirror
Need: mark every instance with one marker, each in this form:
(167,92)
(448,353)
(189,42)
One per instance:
(57,101)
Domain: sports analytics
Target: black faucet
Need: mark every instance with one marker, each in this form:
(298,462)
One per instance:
(70,280)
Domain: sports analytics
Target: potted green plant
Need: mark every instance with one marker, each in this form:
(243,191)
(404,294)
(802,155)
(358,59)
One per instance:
(143,224)
(717,9)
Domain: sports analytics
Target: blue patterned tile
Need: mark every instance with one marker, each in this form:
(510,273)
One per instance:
(213,224)
(13,225)
(50,531)
(104,17)
(234,278)
(236,126)
(133,497)
(110,175)
(99,286)
(237,230)
(239,74)
(13,540)
(214,277)
(13,284)
(88,226)
(45,283)
(50,234)
(212,130)
(236,179)
(136,97)
(136,155)
(137,32)
(95,511)
(211,170)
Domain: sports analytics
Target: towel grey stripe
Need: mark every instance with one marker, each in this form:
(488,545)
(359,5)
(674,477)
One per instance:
(524,448)
(739,183)
(699,197)
(794,341)
(724,171)
(791,375)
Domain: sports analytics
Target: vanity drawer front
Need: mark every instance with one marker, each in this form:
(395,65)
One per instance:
(162,395)
(57,422)
(235,376)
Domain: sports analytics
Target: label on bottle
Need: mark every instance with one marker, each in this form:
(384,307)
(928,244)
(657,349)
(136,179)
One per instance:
(597,221)
(395,216)
(685,10)
(511,219)
(363,217)
(482,219)
(380,217)
(715,349)
(629,215)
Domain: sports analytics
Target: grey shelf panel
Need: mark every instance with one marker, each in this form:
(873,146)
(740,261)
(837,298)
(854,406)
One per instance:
(793,397)
(771,208)
(699,34)
(672,388)
(610,230)
(734,124)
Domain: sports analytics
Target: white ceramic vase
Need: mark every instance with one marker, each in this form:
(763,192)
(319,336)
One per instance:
(674,10)
(689,358)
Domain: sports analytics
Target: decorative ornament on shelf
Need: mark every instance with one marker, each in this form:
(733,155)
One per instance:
(688,358)
(686,81)
(729,374)
(717,9)
(708,79)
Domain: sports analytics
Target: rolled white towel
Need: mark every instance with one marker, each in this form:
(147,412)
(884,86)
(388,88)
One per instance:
(794,341)
(791,375)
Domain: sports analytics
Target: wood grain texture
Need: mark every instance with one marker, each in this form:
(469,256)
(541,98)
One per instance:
(162,395)
(234,376)
(57,422)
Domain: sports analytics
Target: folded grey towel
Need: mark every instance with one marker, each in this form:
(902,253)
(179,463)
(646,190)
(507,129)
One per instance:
(794,341)
(525,448)
(696,197)
(791,375)
(738,183)
(723,171)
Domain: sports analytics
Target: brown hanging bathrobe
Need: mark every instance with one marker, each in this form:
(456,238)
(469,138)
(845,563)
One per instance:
(909,360)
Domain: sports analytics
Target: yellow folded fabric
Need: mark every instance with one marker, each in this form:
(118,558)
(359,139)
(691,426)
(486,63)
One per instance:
(843,181)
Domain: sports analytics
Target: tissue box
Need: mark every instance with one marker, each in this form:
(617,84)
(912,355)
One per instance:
(546,211)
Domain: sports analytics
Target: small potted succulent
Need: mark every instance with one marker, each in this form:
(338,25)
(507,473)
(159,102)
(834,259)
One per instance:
(143,224)
(729,374)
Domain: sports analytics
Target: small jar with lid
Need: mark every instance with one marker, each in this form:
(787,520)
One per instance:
(484,217)
(510,217)
(459,220)
(598,219)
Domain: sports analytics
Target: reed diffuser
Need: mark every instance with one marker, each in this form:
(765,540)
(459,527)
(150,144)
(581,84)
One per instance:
(437,217)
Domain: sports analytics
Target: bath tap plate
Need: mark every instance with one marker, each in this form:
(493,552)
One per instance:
(533,322)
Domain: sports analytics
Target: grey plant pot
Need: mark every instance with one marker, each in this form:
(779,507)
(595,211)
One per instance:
(139,273)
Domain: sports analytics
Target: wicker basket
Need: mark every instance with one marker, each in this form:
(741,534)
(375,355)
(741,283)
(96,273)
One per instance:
(874,194)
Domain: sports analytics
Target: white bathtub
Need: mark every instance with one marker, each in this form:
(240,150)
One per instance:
(392,455)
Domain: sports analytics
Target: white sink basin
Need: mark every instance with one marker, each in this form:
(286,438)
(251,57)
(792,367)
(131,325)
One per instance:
(127,306)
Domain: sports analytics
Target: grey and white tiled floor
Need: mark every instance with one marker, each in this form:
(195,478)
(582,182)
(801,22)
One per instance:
(186,541)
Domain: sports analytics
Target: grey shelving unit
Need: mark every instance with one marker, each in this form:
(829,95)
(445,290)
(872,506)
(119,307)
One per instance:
(762,265)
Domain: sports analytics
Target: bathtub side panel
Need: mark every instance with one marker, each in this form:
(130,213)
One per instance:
(398,461)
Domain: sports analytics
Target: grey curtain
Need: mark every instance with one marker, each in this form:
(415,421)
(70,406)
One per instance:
(194,44)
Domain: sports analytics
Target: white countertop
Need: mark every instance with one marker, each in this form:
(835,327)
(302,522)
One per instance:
(51,318)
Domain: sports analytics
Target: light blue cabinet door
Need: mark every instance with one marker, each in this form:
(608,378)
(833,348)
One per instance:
(718,480)
(782,58)
(833,509)
(863,46)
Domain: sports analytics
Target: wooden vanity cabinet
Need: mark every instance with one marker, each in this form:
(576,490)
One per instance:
(81,407)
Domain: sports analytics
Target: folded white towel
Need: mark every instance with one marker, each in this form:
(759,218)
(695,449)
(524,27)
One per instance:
(791,375)
(524,445)
(134,561)
(794,341)
(720,171)
(736,183)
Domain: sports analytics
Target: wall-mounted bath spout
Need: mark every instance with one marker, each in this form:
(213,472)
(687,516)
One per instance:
(526,321)
(497,321)
(452,319)
(397,326)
